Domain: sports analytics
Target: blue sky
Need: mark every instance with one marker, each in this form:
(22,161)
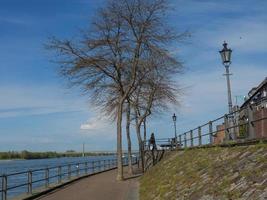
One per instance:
(39,112)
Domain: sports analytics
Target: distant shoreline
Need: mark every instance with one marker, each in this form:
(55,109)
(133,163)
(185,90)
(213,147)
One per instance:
(27,155)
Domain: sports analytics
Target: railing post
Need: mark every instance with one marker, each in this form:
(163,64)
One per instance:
(180,140)
(199,136)
(46,177)
(78,170)
(86,168)
(185,140)
(93,166)
(29,182)
(4,187)
(226,130)
(251,129)
(210,131)
(191,138)
(59,174)
(69,172)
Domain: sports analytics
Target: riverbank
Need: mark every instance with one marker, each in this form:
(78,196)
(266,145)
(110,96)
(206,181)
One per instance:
(27,155)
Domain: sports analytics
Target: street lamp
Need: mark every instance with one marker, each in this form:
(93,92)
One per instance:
(174,121)
(226,60)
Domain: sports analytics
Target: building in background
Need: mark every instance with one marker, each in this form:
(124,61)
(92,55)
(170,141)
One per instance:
(254,110)
(251,117)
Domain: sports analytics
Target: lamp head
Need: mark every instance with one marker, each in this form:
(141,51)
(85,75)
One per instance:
(226,54)
(174,117)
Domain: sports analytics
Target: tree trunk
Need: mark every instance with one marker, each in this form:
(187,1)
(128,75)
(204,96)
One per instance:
(119,142)
(144,129)
(141,149)
(128,118)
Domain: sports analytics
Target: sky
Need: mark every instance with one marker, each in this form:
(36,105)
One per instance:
(39,112)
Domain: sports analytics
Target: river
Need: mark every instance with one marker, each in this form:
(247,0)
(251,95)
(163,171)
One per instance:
(14,166)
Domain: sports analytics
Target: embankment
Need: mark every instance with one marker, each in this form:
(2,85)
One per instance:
(209,173)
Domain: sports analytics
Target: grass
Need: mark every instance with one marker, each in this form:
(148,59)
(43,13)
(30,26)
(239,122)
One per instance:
(219,172)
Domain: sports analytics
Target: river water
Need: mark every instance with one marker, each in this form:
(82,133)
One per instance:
(14,166)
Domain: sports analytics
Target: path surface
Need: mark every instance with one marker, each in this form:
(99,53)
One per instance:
(98,187)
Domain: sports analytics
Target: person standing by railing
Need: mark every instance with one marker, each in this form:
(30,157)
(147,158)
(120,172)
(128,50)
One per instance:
(152,142)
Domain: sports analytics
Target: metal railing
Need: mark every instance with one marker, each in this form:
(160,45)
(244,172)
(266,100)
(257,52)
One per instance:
(161,144)
(41,179)
(207,134)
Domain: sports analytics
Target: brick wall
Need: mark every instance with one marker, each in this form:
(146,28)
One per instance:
(260,126)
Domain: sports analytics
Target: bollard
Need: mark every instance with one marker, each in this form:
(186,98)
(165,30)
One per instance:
(210,131)
(29,182)
(191,138)
(199,136)
(4,187)
(46,177)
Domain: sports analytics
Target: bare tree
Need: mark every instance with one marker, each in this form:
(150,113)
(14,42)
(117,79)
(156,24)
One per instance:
(156,96)
(111,58)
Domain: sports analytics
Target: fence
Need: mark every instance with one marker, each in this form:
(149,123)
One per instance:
(229,127)
(49,177)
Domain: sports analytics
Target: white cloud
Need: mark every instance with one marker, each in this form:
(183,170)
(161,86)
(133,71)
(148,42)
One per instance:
(92,124)
(98,126)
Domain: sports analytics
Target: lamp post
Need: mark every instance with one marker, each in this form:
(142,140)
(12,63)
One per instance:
(174,122)
(226,60)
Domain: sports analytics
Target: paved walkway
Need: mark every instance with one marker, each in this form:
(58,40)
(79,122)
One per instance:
(98,187)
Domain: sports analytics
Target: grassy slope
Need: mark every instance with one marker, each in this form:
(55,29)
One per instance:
(211,173)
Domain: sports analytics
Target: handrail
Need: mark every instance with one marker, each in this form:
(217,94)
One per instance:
(189,136)
(63,173)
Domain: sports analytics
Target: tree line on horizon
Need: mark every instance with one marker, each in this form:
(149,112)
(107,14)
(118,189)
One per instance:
(49,154)
(125,65)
